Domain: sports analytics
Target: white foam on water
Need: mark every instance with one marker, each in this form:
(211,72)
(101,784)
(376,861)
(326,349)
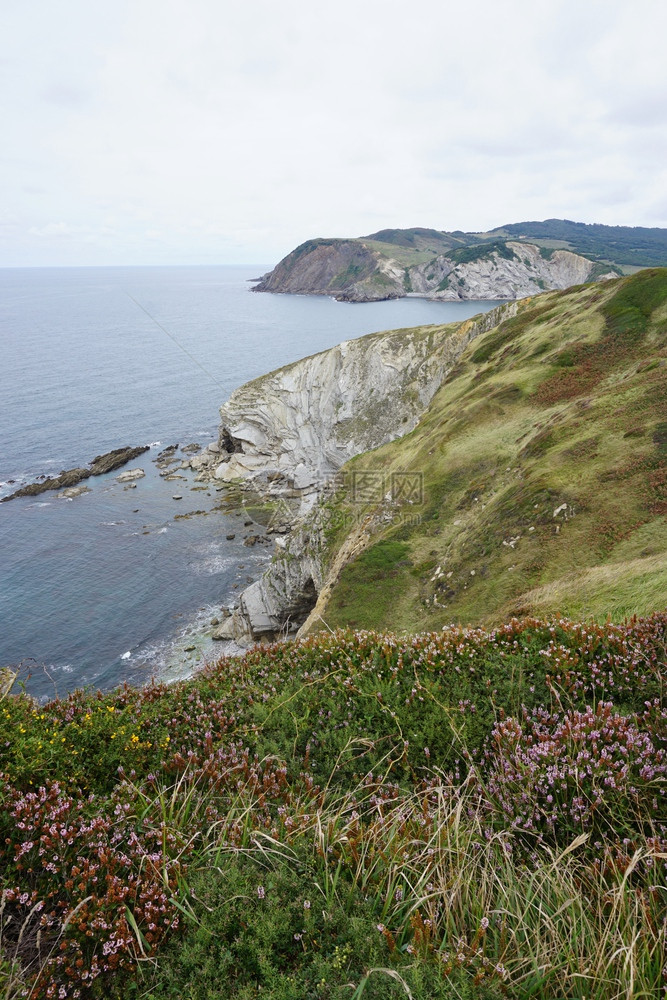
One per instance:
(126,656)
(60,668)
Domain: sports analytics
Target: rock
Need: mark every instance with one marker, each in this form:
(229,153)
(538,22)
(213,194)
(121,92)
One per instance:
(129,475)
(71,477)
(177,496)
(304,421)
(73,491)
(189,649)
(191,449)
(7,678)
(225,631)
(114,459)
(215,621)
(230,538)
(251,540)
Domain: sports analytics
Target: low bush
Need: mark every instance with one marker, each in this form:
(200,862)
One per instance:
(453,814)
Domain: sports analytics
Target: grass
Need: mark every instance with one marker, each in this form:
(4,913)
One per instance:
(452,812)
(351,815)
(543,465)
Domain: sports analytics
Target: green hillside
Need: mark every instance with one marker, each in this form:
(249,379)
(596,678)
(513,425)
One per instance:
(635,246)
(632,246)
(543,461)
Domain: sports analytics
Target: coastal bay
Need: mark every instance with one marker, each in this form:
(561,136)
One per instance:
(98,357)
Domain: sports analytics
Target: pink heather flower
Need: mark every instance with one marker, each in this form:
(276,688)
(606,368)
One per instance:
(306,904)
(261,892)
(484,923)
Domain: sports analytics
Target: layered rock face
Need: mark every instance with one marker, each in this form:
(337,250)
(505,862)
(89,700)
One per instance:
(289,432)
(331,267)
(526,272)
(294,428)
(356,271)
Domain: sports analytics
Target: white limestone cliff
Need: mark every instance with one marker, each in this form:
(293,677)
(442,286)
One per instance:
(289,432)
(526,272)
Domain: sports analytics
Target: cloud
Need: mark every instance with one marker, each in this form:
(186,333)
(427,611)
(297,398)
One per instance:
(203,129)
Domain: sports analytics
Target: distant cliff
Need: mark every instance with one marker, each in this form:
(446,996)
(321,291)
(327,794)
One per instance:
(373,268)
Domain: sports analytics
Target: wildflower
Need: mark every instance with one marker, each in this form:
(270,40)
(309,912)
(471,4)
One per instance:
(381,928)
(484,923)
(261,892)
(306,904)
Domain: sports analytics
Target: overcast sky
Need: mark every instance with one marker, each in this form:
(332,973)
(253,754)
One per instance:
(229,131)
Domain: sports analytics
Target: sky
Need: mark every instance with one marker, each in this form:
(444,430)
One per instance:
(229,131)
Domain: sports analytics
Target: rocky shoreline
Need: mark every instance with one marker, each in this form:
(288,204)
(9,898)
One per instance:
(69,479)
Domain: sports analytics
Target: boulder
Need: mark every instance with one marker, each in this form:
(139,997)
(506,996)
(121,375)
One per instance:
(224,631)
(129,475)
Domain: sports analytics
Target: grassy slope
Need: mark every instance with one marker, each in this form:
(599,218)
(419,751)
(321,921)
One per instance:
(352,811)
(564,405)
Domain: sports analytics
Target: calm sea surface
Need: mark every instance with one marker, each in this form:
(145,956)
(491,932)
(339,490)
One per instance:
(112,585)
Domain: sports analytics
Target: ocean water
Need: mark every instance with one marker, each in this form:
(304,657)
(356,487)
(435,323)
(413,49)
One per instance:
(114,585)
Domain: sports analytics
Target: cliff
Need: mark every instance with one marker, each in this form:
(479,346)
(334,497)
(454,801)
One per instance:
(541,466)
(368,269)
(440,480)
(298,425)
(286,435)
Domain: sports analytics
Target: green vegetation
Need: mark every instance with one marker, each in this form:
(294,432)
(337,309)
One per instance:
(466,255)
(355,271)
(544,476)
(475,808)
(458,814)
(630,245)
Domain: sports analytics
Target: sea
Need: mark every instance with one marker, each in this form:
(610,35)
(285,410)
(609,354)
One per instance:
(117,585)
